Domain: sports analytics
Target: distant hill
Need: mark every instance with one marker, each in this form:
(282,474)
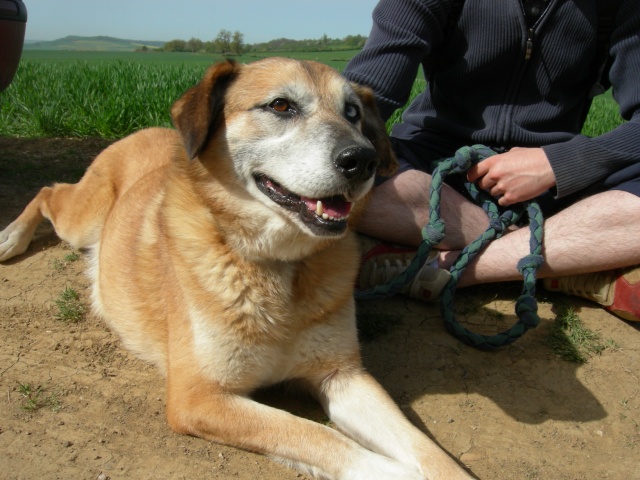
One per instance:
(101,43)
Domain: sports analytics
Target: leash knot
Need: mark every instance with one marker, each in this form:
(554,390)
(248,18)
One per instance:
(463,159)
(460,164)
(531,261)
(527,311)
(433,232)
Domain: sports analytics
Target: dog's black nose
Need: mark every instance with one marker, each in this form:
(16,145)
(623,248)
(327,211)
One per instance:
(357,163)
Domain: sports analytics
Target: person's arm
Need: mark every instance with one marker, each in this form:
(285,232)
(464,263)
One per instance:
(524,173)
(403,34)
(582,161)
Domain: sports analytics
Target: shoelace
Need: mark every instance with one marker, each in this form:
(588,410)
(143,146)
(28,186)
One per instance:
(594,286)
(386,271)
(383,273)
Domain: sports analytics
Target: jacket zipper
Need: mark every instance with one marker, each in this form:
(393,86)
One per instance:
(529,49)
(505,134)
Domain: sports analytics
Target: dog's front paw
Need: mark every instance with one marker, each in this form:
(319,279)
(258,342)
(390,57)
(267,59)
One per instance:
(377,467)
(14,240)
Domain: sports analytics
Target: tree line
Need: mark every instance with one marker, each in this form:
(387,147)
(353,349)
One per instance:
(232,43)
(226,42)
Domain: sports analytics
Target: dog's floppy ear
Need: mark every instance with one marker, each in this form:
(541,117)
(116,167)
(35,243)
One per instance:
(197,113)
(376,131)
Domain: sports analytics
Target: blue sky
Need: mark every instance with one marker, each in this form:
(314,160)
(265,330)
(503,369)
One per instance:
(258,20)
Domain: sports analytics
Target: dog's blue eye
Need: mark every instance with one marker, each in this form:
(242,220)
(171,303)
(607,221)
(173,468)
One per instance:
(352,112)
(283,106)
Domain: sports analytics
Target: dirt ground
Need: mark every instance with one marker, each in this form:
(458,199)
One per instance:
(75,405)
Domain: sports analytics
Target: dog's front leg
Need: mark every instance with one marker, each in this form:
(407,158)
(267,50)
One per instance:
(362,409)
(196,407)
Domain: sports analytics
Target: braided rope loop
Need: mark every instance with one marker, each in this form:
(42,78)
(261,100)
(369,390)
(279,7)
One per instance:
(526,306)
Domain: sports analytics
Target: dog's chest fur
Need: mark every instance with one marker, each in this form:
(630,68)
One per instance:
(263,321)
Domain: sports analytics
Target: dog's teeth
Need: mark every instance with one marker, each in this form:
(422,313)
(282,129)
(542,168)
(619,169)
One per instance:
(324,215)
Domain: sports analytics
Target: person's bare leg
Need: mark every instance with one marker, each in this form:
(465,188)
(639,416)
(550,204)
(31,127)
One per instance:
(399,208)
(598,233)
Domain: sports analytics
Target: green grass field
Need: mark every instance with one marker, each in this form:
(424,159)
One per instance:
(111,94)
(335,59)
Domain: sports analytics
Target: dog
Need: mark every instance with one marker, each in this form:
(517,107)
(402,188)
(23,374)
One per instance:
(222,252)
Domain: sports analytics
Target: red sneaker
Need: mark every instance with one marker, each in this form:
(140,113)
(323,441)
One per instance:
(381,262)
(616,290)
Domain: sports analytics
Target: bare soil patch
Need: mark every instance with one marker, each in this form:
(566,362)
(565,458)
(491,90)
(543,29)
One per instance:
(519,413)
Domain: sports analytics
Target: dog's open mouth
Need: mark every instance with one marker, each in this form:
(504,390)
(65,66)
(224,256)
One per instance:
(324,216)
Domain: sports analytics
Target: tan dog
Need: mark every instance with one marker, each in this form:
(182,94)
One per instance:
(221,253)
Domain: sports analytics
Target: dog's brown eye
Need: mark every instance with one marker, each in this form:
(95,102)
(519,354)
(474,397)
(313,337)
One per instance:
(281,105)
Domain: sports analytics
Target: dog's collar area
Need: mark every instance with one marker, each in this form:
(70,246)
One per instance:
(324,216)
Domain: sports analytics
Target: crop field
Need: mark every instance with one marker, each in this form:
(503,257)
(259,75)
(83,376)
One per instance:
(107,94)
(111,94)
(337,59)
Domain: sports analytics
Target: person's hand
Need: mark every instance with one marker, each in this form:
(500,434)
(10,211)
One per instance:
(515,176)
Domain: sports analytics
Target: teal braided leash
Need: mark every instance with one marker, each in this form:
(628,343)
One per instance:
(526,306)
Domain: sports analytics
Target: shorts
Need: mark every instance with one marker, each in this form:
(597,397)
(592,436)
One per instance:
(627,179)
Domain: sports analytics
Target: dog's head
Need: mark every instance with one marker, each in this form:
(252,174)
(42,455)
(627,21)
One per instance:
(300,139)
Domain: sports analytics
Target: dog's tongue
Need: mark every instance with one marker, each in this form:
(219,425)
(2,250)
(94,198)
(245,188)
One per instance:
(334,207)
